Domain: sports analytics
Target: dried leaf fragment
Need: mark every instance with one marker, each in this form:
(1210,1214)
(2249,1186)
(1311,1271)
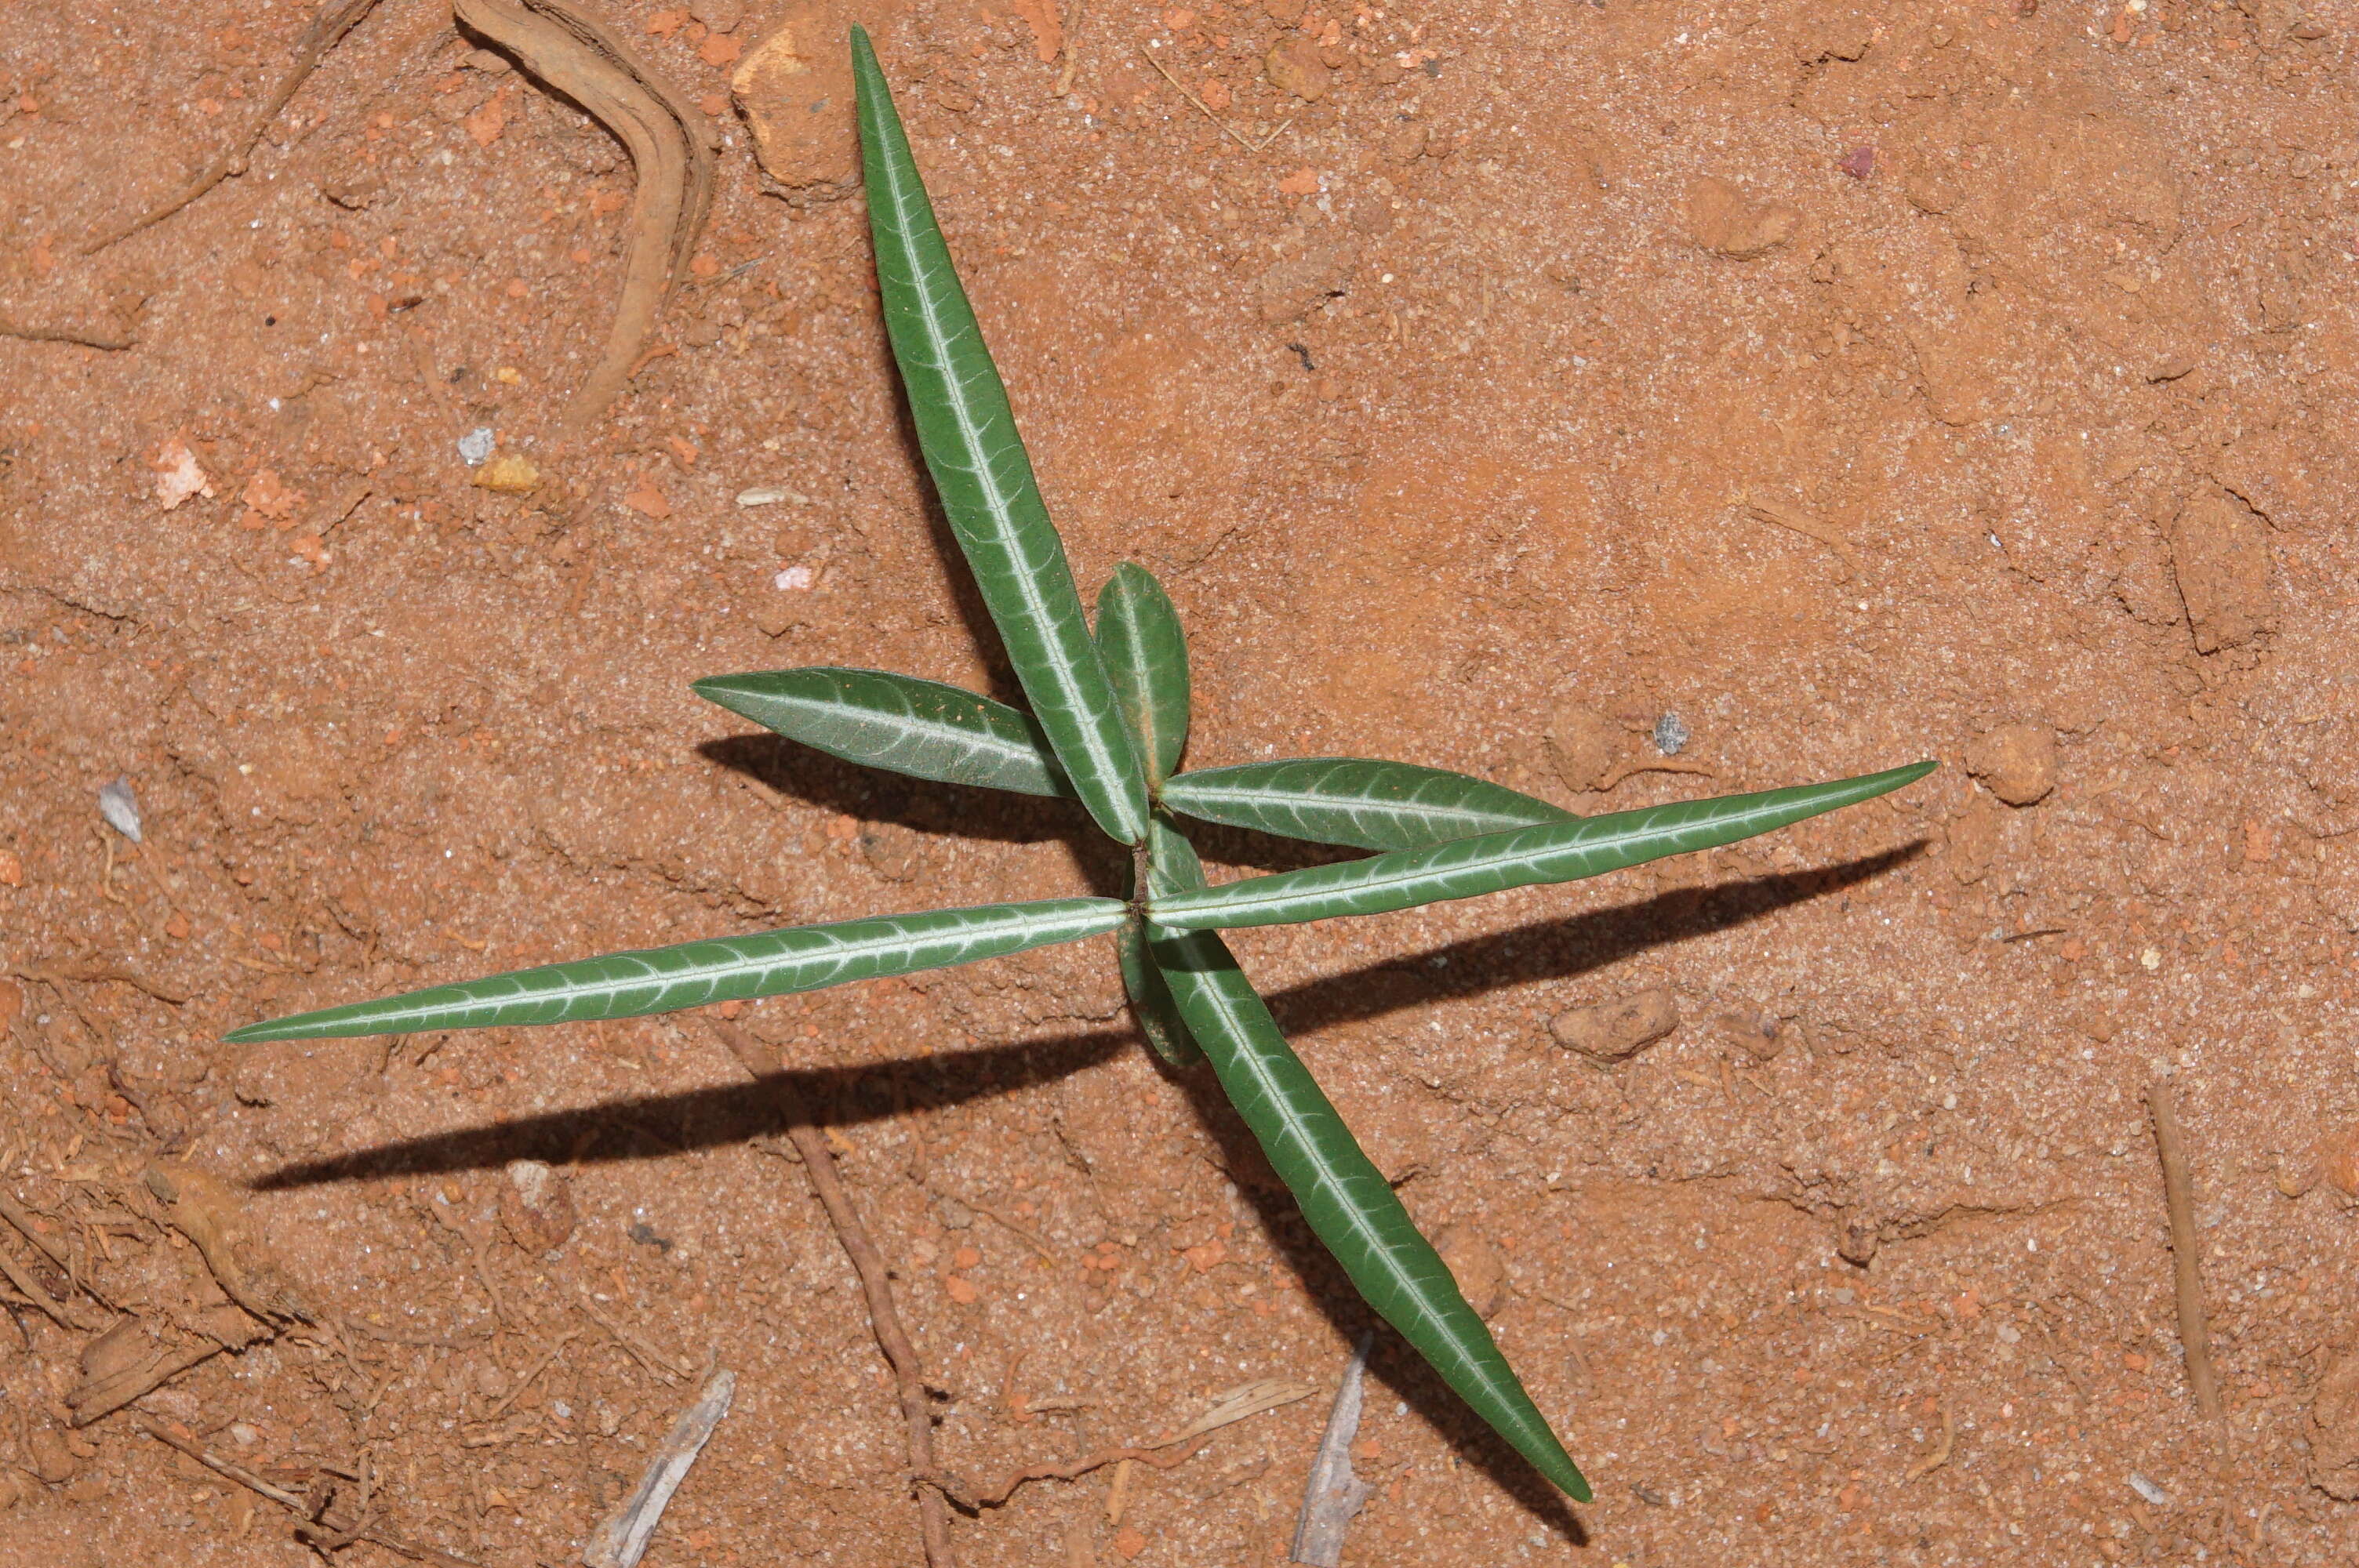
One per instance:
(211,1213)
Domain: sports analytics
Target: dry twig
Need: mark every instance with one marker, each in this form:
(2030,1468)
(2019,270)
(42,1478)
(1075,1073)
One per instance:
(326,29)
(646,1354)
(88,337)
(1225,128)
(965,1497)
(875,1283)
(1795,520)
(333,1518)
(532,1376)
(2186,1259)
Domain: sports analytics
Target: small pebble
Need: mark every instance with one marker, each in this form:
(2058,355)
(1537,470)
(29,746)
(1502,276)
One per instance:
(476,445)
(1858,163)
(770,495)
(1670,735)
(2338,1160)
(2148,1490)
(1619,1029)
(1582,743)
(794,580)
(2017,761)
(507,474)
(120,807)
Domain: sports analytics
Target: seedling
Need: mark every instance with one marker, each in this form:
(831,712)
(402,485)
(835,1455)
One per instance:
(1108,725)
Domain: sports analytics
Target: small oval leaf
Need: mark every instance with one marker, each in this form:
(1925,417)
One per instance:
(879,719)
(1359,801)
(1146,653)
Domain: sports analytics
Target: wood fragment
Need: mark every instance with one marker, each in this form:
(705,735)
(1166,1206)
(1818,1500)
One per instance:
(1073,27)
(2185,1258)
(339,17)
(136,1357)
(1236,1476)
(1796,520)
(1118,1496)
(1941,1445)
(621,1540)
(875,1279)
(335,1516)
(972,1498)
(211,1213)
(1333,1494)
(88,337)
(56,1311)
(527,1381)
(566,49)
(16,1215)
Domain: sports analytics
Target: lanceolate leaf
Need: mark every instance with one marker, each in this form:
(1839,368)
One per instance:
(921,728)
(1150,999)
(1558,852)
(1146,657)
(1172,867)
(1350,1205)
(727,968)
(1356,801)
(967,435)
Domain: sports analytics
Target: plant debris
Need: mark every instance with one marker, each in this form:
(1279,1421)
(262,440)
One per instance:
(566,49)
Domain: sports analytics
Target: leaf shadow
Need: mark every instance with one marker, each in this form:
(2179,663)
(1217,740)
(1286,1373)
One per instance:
(1563,949)
(1337,1299)
(878,794)
(659,1124)
(649,1126)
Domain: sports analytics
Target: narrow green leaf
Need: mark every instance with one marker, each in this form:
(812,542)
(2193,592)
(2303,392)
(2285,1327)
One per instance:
(1356,801)
(967,435)
(1171,861)
(1351,1206)
(1559,852)
(1172,867)
(1150,999)
(920,728)
(725,968)
(1146,655)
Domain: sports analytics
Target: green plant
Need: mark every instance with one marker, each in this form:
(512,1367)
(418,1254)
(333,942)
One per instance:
(1108,724)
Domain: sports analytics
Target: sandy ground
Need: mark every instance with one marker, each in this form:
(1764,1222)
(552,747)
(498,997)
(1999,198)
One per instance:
(1487,382)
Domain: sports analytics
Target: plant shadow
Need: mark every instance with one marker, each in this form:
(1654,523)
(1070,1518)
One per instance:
(1564,949)
(654,1125)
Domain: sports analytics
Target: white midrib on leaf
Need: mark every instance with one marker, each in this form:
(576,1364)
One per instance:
(996,502)
(831,954)
(1372,1243)
(1185,919)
